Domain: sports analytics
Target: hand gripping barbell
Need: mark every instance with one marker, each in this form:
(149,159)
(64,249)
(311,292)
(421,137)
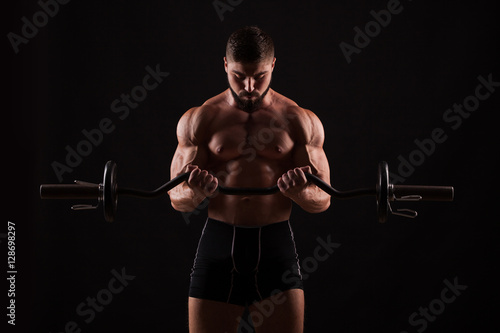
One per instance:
(107,192)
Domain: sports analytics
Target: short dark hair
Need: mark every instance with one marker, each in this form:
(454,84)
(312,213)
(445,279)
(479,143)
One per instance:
(249,45)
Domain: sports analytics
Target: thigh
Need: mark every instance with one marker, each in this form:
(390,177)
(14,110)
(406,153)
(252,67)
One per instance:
(282,312)
(206,316)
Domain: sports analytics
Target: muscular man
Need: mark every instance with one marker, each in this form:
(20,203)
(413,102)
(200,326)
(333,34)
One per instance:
(248,136)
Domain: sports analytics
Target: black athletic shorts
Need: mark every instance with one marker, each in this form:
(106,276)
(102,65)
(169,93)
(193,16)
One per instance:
(243,265)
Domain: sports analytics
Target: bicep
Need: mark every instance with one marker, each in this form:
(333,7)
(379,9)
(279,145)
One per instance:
(309,146)
(189,149)
(315,157)
(187,154)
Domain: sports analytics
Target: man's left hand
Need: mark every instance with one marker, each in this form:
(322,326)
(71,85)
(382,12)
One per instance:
(294,181)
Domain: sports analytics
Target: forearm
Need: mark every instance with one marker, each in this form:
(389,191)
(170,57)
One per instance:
(312,199)
(184,199)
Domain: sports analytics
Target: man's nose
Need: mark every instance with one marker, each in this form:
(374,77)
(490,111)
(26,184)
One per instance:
(249,85)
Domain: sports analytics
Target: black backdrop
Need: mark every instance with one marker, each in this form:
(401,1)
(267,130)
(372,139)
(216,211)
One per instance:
(395,90)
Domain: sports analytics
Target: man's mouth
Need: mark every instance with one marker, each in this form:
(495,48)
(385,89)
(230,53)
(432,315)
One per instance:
(250,96)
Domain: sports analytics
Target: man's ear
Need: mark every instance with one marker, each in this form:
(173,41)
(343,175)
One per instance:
(274,62)
(225,64)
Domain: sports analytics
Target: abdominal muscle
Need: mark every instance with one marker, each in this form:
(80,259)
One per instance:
(253,210)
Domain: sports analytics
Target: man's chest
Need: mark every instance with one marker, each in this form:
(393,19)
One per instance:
(264,134)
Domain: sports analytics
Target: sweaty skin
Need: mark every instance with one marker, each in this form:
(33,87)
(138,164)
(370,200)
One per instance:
(220,143)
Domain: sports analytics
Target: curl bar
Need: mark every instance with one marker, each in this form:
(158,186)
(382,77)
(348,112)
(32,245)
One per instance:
(108,192)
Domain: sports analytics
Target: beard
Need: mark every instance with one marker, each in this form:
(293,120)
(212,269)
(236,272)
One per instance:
(249,105)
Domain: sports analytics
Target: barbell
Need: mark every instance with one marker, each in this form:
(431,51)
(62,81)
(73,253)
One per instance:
(107,192)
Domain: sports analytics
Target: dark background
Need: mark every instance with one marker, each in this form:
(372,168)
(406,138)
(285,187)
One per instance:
(394,91)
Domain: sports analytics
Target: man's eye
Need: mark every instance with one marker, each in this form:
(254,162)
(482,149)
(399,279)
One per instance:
(241,78)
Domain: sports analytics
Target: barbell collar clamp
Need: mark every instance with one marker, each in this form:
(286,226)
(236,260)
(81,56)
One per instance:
(403,212)
(412,197)
(84,207)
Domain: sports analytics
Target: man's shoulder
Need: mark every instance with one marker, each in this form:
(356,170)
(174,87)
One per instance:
(217,101)
(299,115)
(284,103)
(205,111)
(195,121)
(304,123)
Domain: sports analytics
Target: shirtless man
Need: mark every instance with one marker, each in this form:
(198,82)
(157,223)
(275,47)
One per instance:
(248,136)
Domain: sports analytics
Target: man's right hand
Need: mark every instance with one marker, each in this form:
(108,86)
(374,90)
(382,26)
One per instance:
(200,181)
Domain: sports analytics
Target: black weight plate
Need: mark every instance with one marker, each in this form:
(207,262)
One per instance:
(383,192)
(110,199)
